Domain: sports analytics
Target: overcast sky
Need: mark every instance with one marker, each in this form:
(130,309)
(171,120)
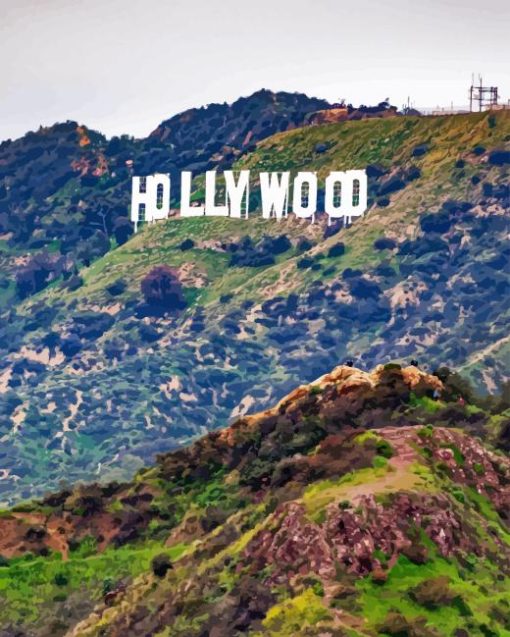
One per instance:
(122,66)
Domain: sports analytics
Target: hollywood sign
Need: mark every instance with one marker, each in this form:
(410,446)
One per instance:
(345,196)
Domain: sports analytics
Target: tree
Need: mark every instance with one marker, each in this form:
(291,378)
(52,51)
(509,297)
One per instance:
(161,288)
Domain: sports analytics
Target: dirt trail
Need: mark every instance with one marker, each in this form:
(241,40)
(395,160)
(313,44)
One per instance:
(399,475)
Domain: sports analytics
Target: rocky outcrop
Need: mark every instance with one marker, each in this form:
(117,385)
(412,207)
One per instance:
(354,538)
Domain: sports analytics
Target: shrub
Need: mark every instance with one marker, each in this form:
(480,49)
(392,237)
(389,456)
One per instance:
(161,287)
(71,345)
(117,287)
(187,244)
(304,263)
(499,157)
(391,185)
(384,243)
(39,271)
(398,625)
(420,150)
(122,230)
(61,579)
(433,593)
(161,565)
(279,244)
(148,333)
(73,283)
(337,250)
(416,552)
(303,245)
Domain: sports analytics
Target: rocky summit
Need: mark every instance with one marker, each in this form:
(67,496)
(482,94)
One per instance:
(361,504)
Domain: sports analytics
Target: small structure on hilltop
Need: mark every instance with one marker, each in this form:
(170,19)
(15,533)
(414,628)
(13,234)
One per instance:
(486,96)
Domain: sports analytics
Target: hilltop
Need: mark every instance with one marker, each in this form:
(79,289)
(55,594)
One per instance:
(357,506)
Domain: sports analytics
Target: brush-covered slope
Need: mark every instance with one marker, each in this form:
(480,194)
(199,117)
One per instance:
(65,189)
(357,506)
(94,382)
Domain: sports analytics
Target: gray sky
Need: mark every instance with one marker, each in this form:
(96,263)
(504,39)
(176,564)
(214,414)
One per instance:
(122,66)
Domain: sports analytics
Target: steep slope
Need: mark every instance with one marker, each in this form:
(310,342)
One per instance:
(340,511)
(424,275)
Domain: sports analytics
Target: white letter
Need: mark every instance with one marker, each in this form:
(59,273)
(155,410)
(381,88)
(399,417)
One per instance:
(150,198)
(211,208)
(359,192)
(159,186)
(275,194)
(346,194)
(187,210)
(235,193)
(304,201)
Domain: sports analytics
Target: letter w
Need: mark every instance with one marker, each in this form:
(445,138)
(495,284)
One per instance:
(275,194)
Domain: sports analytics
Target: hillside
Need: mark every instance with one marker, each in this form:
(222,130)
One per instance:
(65,189)
(93,382)
(357,506)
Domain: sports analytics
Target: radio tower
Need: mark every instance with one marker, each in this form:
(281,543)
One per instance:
(486,96)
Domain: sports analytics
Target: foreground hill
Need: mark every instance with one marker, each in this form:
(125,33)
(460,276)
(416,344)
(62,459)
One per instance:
(357,506)
(94,380)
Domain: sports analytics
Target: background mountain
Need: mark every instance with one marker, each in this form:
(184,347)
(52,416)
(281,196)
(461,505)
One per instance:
(101,368)
(359,505)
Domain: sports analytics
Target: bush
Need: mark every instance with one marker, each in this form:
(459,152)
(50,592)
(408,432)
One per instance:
(337,250)
(117,287)
(122,230)
(420,150)
(161,565)
(187,244)
(161,287)
(433,593)
(74,283)
(385,243)
(148,333)
(304,263)
(60,579)
(399,626)
(499,157)
(39,271)
(303,245)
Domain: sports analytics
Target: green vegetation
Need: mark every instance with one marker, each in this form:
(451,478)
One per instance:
(29,584)
(459,603)
(293,616)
